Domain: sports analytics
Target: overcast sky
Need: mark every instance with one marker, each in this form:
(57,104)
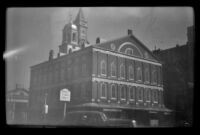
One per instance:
(32,32)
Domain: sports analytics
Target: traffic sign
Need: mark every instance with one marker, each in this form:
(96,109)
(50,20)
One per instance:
(65,95)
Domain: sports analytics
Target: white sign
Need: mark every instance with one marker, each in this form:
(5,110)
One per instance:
(65,95)
(46,109)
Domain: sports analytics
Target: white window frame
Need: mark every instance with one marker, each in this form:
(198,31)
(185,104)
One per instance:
(129,49)
(120,71)
(154,95)
(102,97)
(121,88)
(103,62)
(112,91)
(145,70)
(111,65)
(140,100)
(148,99)
(137,70)
(130,66)
(131,89)
(154,81)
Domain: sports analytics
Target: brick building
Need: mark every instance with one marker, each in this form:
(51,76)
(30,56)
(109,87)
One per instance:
(117,74)
(178,77)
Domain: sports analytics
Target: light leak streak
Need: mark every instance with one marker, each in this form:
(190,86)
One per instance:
(11,53)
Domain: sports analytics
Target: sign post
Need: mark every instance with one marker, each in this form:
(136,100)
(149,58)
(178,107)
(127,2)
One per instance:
(65,95)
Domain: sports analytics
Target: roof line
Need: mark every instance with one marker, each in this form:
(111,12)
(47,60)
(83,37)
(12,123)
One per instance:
(111,40)
(137,40)
(144,46)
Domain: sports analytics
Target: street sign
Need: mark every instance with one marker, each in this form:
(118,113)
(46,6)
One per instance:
(65,95)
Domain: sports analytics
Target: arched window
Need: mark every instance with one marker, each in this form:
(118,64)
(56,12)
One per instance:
(145,94)
(74,37)
(103,67)
(123,92)
(131,72)
(113,69)
(148,94)
(146,75)
(155,96)
(113,91)
(103,90)
(132,93)
(122,71)
(129,51)
(140,93)
(139,74)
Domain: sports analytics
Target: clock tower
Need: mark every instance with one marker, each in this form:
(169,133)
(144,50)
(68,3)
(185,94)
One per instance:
(74,34)
(82,27)
(69,38)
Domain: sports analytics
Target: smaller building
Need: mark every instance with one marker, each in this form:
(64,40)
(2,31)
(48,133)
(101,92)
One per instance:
(17,106)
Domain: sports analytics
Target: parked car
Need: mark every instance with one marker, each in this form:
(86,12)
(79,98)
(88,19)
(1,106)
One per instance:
(94,119)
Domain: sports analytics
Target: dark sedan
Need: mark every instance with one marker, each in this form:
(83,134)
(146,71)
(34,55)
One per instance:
(94,119)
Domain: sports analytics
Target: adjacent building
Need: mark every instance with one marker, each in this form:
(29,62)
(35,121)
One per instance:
(120,74)
(178,70)
(17,106)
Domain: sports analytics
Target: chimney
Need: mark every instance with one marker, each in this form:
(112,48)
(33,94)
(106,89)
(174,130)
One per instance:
(51,55)
(130,32)
(97,40)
